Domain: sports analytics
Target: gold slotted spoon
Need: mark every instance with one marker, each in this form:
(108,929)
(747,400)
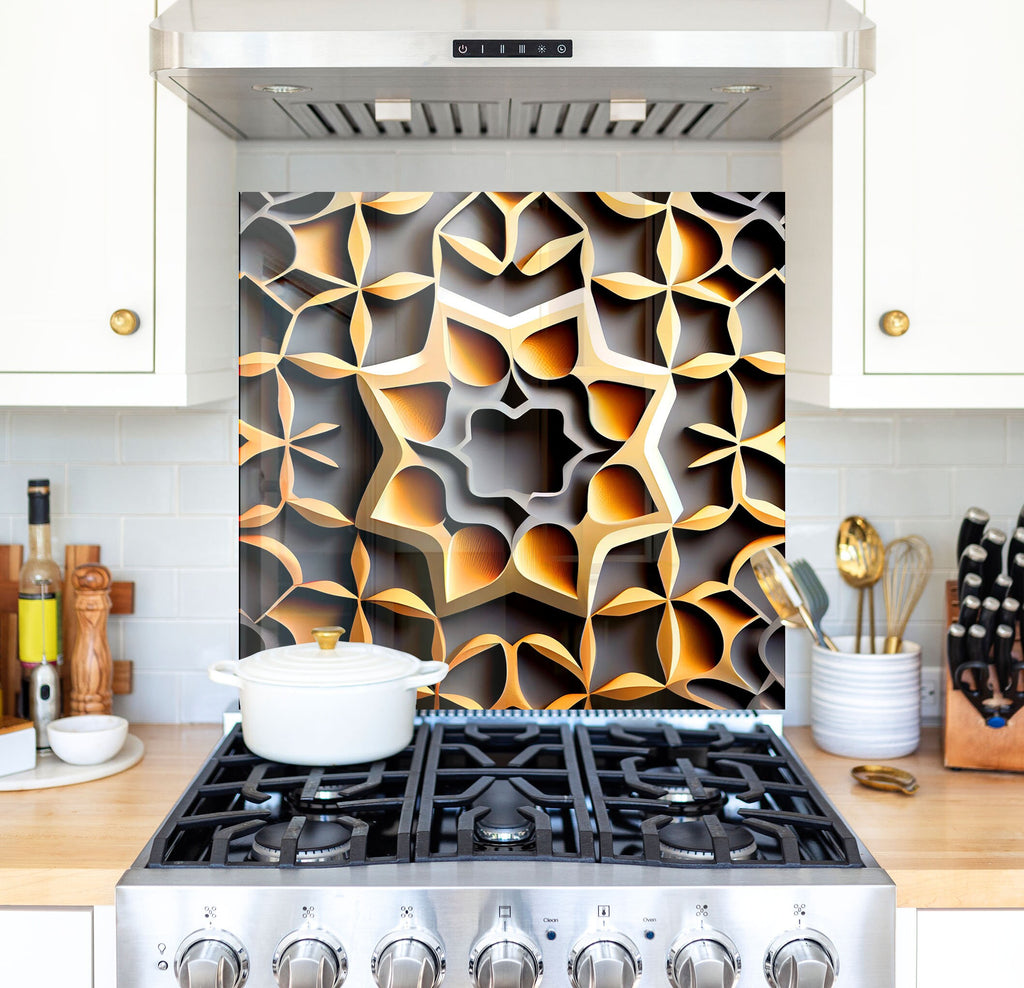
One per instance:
(860,558)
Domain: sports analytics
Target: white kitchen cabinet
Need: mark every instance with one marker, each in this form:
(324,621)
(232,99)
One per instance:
(117,198)
(47,947)
(903,199)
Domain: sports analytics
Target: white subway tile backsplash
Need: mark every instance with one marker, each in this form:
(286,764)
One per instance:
(897,492)
(928,439)
(203,701)
(999,490)
(180,542)
(209,593)
(14,478)
(176,437)
(155,698)
(1015,439)
(121,490)
(104,531)
(209,490)
(179,645)
(73,436)
(852,440)
(812,493)
(156,591)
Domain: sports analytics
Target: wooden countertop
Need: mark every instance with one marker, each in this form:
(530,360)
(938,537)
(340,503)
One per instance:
(958,843)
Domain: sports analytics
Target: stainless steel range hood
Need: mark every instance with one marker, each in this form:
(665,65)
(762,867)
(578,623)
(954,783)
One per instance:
(379,69)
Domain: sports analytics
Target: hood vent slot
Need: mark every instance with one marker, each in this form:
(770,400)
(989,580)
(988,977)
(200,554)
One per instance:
(542,120)
(355,120)
(666,119)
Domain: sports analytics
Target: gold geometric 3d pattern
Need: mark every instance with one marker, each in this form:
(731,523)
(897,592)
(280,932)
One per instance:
(537,435)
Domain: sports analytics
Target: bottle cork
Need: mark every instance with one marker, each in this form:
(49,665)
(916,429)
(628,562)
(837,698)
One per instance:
(92,670)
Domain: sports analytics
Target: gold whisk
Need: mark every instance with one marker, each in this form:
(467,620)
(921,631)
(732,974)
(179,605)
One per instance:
(908,562)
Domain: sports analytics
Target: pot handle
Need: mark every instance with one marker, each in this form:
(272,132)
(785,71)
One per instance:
(430,673)
(224,672)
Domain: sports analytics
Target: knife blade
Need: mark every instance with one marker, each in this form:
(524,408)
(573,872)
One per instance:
(992,542)
(971,527)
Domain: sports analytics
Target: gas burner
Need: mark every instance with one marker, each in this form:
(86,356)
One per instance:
(691,841)
(502,824)
(682,801)
(319,843)
(327,803)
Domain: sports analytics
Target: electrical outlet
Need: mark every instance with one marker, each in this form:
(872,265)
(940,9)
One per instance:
(931,690)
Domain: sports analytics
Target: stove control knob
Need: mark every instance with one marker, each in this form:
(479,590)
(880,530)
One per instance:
(606,960)
(211,959)
(801,959)
(310,959)
(709,960)
(511,962)
(408,959)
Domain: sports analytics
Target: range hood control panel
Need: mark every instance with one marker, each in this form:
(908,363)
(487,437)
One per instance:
(512,48)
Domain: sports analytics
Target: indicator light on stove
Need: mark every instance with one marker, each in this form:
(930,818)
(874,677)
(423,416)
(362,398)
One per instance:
(310,959)
(801,959)
(608,960)
(211,959)
(408,959)
(709,960)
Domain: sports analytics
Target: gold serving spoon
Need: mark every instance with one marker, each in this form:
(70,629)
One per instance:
(860,557)
(776,581)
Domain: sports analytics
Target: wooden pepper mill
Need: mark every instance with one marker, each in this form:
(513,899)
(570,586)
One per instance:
(92,670)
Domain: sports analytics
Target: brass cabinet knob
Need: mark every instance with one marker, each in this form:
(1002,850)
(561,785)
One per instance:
(895,323)
(124,322)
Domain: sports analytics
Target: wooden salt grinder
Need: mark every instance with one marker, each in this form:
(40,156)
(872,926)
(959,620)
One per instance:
(92,670)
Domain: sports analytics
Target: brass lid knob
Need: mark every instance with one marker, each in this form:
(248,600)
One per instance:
(124,322)
(895,323)
(327,637)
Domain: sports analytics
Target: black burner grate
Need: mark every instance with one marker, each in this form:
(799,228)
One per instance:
(622,792)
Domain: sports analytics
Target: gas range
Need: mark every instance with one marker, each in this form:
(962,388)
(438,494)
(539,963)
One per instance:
(499,850)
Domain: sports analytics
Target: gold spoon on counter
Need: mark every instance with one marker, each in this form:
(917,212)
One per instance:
(860,557)
(776,581)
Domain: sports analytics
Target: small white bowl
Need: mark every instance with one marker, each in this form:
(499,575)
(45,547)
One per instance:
(88,739)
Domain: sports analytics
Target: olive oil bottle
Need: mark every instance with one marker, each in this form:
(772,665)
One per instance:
(39,593)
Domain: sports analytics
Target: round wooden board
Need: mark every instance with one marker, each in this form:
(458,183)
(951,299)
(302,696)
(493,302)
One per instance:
(50,771)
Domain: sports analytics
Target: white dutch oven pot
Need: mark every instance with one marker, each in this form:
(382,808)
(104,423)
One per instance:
(326,703)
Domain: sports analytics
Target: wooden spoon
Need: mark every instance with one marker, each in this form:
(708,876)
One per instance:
(860,557)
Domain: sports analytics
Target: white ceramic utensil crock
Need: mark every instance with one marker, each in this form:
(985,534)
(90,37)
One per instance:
(327,703)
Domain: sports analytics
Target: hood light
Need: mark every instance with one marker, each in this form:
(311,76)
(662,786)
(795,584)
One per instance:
(282,90)
(741,89)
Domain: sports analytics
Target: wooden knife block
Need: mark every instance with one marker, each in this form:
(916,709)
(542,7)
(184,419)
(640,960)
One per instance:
(122,598)
(967,741)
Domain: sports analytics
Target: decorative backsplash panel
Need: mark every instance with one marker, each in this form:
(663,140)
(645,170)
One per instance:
(537,435)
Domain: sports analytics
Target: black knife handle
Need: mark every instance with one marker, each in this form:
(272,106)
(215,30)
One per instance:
(988,618)
(1016,544)
(1002,660)
(973,524)
(1001,587)
(956,650)
(970,608)
(972,560)
(1016,573)
(993,542)
(1009,612)
(977,644)
(978,687)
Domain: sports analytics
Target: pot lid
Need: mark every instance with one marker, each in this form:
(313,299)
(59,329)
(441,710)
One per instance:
(328,662)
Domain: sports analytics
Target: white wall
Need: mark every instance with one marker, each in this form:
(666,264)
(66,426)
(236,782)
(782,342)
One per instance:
(157,489)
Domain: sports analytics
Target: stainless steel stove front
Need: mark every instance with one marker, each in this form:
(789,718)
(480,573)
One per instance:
(416,925)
